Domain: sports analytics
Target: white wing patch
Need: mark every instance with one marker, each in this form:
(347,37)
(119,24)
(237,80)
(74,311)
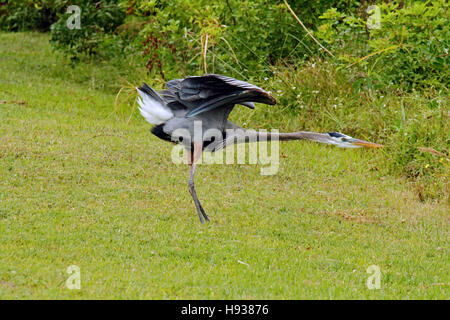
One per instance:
(152,110)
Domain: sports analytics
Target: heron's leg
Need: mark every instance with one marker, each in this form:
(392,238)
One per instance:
(194,156)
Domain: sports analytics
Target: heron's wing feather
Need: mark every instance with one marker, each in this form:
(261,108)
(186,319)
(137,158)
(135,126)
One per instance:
(231,98)
(204,93)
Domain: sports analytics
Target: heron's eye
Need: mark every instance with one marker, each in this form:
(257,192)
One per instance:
(344,139)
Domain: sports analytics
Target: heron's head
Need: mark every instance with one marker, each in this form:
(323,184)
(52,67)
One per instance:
(343,141)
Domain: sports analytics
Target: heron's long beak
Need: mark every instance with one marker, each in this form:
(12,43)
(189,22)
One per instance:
(366,144)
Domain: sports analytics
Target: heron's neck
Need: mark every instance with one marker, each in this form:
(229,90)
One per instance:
(239,135)
(287,136)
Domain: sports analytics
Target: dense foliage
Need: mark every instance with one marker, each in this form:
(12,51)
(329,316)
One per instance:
(18,15)
(408,47)
(98,22)
(237,37)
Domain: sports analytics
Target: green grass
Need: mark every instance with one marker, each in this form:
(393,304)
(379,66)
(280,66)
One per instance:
(81,186)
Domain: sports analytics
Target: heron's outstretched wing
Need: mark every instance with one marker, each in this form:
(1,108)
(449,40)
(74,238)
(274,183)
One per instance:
(204,93)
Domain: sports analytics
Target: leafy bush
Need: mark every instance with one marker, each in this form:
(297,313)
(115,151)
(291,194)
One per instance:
(183,36)
(419,35)
(19,15)
(241,38)
(408,50)
(98,21)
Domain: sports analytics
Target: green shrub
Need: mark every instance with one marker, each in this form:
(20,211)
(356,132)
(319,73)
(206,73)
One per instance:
(19,15)
(419,35)
(240,37)
(408,50)
(98,22)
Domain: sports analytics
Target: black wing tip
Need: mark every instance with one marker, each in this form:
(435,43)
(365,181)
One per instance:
(265,97)
(272,100)
(150,91)
(145,87)
(268,98)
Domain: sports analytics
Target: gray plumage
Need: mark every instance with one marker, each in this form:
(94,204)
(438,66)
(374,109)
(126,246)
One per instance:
(208,100)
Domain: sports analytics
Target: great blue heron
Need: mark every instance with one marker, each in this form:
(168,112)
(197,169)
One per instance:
(208,100)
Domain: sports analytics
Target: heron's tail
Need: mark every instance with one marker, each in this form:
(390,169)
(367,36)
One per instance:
(152,106)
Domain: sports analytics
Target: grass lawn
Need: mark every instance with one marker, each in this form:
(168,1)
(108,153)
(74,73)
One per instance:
(81,186)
